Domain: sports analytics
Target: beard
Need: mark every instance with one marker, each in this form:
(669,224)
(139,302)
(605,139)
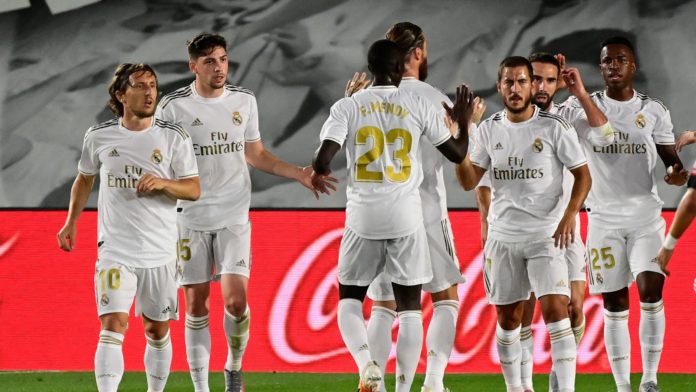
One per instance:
(525,106)
(423,70)
(542,105)
(145,113)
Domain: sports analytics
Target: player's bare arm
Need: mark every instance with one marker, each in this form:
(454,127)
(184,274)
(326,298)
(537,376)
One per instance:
(483,202)
(264,160)
(79,194)
(684,139)
(676,174)
(321,164)
(682,219)
(182,189)
(565,232)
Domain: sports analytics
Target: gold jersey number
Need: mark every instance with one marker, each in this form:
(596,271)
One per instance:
(363,174)
(608,260)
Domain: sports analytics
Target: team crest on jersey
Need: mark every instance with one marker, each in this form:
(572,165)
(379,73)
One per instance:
(640,121)
(237,118)
(599,278)
(538,146)
(156,156)
(104,300)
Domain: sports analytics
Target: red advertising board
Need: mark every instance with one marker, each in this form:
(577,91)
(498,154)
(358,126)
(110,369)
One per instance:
(49,321)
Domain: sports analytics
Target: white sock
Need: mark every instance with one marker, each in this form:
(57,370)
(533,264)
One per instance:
(527,359)
(618,344)
(408,348)
(579,332)
(158,361)
(351,323)
(197,334)
(564,352)
(510,354)
(237,334)
(108,361)
(379,336)
(652,334)
(439,342)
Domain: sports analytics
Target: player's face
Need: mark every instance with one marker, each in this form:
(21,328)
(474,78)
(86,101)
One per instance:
(211,69)
(140,97)
(617,65)
(515,87)
(544,84)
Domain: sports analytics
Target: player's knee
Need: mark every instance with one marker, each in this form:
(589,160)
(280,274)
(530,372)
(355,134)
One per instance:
(407,297)
(575,310)
(236,306)
(651,296)
(114,323)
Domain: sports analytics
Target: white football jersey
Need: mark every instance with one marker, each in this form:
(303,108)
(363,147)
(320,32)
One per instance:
(432,190)
(138,230)
(381,127)
(219,128)
(525,161)
(624,188)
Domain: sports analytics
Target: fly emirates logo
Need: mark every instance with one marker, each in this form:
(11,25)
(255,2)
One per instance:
(517,171)
(218,145)
(622,146)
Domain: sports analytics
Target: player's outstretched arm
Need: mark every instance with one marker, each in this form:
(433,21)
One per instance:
(321,165)
(181,189)
(262,159)
(676,174)
(682,219)
(483,202)
(684,139)
(565,232)
(79,194)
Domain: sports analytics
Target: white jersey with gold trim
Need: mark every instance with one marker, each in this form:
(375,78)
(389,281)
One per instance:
(624,187)
(381,127)
(526,162)
(219,129)
(137,230)
(432,190)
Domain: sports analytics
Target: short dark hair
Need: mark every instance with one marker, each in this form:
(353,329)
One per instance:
(204,43)
(407,35)
(515,61)
(119,83)
(385,58)
(544,57)
(619,40)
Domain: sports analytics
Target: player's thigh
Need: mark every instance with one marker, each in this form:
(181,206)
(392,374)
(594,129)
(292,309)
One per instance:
(643,246)
(547,268)
(443,259)
(576,259)
(607,263)
(360,260)
(115,286)
(408,259)
(156,297)
(195,262)
(232,250)
(505,272)
(381,288)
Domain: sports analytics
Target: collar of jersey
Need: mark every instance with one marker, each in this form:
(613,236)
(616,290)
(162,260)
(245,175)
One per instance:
(126,130)
(612,100)
(196,96)
(506,121)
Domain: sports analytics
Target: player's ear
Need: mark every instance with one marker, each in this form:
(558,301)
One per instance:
(497,85)
(192,66)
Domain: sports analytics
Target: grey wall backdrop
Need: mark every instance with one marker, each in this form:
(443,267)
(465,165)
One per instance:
(57,57)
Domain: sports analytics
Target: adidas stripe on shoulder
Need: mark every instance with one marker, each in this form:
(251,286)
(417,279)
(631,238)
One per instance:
(179,93)
(172,127)
(104,125)
(644,97)
(233,88)
(556,117)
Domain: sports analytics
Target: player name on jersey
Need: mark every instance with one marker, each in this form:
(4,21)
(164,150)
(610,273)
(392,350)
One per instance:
(384,107)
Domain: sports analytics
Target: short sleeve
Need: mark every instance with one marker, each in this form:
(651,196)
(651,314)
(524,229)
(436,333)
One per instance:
(335,127)
(89,158)
(252,133)
(663,131)
(184,160)
(166,113)
(479,154)
(568,148)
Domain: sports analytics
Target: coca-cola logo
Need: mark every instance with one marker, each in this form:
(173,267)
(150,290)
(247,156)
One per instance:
(303,330)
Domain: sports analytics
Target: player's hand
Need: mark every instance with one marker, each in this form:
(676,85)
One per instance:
(463,109)
(479,110)
(66,237)
(561,84)
(149,183)
(676,175)
(317,183)
(452,126)
(684,139)
(663,259)
(359,82)
(572,79)
(565,232)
